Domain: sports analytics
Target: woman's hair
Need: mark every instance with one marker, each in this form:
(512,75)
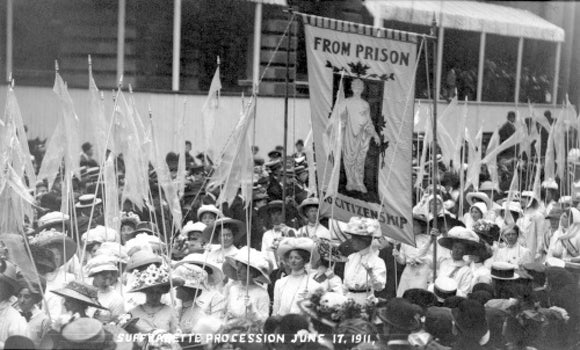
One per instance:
(292,323)
(303,254)
(510,227)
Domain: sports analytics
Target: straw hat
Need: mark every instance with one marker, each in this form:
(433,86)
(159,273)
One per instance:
(512,206)
(443,288)
(101,263)
(238,229)
(192,276)
(308,202)
(257,262)
(363,227)
(214,271)
(115,250)
(550,184)
(57,240)
(292,243)
(193,227)
(463,235)
(471,196)
(208,208)
(153,276)
(100,234)
(82,292)
(87,201)
(52,218)
(143,258)
(143,241)
(503,271)
(531,195)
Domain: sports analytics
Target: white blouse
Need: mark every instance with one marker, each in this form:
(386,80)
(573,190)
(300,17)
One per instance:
(289,290)
(235,298)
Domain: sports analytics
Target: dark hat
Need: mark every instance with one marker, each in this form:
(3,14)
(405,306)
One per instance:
(446,221)
(272,205)
(273,165)
(18,342)
(439,323)
(484,252)
(275,154)
(401,314)
(481,296)
(503,271)
(470,319)
(536,271)
(258,161)
(328,250)
(300,169)
(146,227)
(421,297)
(483,287)
(487,231)
(10,274)
(82,292)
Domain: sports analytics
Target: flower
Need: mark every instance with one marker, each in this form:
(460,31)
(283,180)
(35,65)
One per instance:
(302,332)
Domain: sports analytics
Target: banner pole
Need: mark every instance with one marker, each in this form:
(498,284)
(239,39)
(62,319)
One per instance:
(286,96)
(434,150)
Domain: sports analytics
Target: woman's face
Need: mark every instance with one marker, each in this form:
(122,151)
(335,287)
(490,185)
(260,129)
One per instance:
(154,295)
(194,240)
(242,272)
(208,218)
(227,237)
(564,221)
(73,305)
(25,300)
(511,237)
(311,213)
(458,250)
(104,280)
(475,214)
(295,261)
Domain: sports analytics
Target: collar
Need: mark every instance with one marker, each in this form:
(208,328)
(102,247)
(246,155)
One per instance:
(458,263)
(188,303)
(365,251)
(310,224)
(299,273)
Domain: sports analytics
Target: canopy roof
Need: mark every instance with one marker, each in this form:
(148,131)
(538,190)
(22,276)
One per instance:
(468,15)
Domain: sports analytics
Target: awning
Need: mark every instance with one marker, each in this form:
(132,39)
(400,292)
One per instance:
(270,2)
(468,15)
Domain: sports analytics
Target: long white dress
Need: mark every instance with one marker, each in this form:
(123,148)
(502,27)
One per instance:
(416,275)
(289,290)
(356,140)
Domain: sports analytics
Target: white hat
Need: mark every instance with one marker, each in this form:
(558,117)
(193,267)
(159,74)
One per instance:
(550,184)
(531,195)
(52,218)
(481,207)
(100,234)
(193,276)
(193,227)
(208,208)
(478,195)
(512,206)
(489,186)
(365,227)
(256,261)
(291,243)
(504,271)
(87,201)
(461,234)
(444,287)
(101,263)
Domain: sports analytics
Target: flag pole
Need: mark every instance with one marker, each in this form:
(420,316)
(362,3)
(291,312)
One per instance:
(286,96)
(434,150)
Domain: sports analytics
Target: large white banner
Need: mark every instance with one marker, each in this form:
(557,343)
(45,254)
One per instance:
(375,120)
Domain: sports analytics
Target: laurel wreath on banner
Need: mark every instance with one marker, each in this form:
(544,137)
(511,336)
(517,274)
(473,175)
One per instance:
(360,71)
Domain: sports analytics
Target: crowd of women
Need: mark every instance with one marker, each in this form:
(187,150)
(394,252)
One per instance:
(502,274)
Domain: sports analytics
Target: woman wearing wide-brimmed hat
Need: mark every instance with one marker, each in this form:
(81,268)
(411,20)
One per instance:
(154,281)
(257,302)
(222,236)
(513,252)
(324,259)
(62,249)
(308,210)
(29,305)
(418,260)
(460,241)
(194,284)
(103,270)
(289,290)
(78,297)
(208,214)
(211,301)
(364,272)
(279,230)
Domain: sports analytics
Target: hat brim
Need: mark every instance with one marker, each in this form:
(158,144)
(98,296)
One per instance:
(216,276)
(152,260)
(176,282)
(68,249)
(514,277)
(447,242)
(96,202)
(230,271)
(305,306)
(69,293)
(301,208)
(476,195)
(270,206)
(446,221)
(385,318)
(239,231)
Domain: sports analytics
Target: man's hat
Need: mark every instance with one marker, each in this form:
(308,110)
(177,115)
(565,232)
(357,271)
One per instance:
(401,314)
(470,319)
(463,235)
(503,271)
(275,154)
(87,201)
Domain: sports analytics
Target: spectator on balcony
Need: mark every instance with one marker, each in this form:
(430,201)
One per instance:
(505,132)
(87,156)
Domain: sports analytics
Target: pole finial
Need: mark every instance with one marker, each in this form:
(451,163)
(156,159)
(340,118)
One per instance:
(130,89)
(120,81)
(90,61)
(56,65)
(218,60)
(11,82)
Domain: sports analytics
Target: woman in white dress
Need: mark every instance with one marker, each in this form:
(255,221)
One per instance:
(256,304)
(299,284)
(418,260)
(222,235)
(512,252)
(308,209)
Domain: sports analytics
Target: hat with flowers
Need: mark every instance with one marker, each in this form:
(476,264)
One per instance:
(153,276)
(365,227)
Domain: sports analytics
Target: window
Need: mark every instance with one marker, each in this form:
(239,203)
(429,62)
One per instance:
(537,79)
(499,72)
(460,63)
